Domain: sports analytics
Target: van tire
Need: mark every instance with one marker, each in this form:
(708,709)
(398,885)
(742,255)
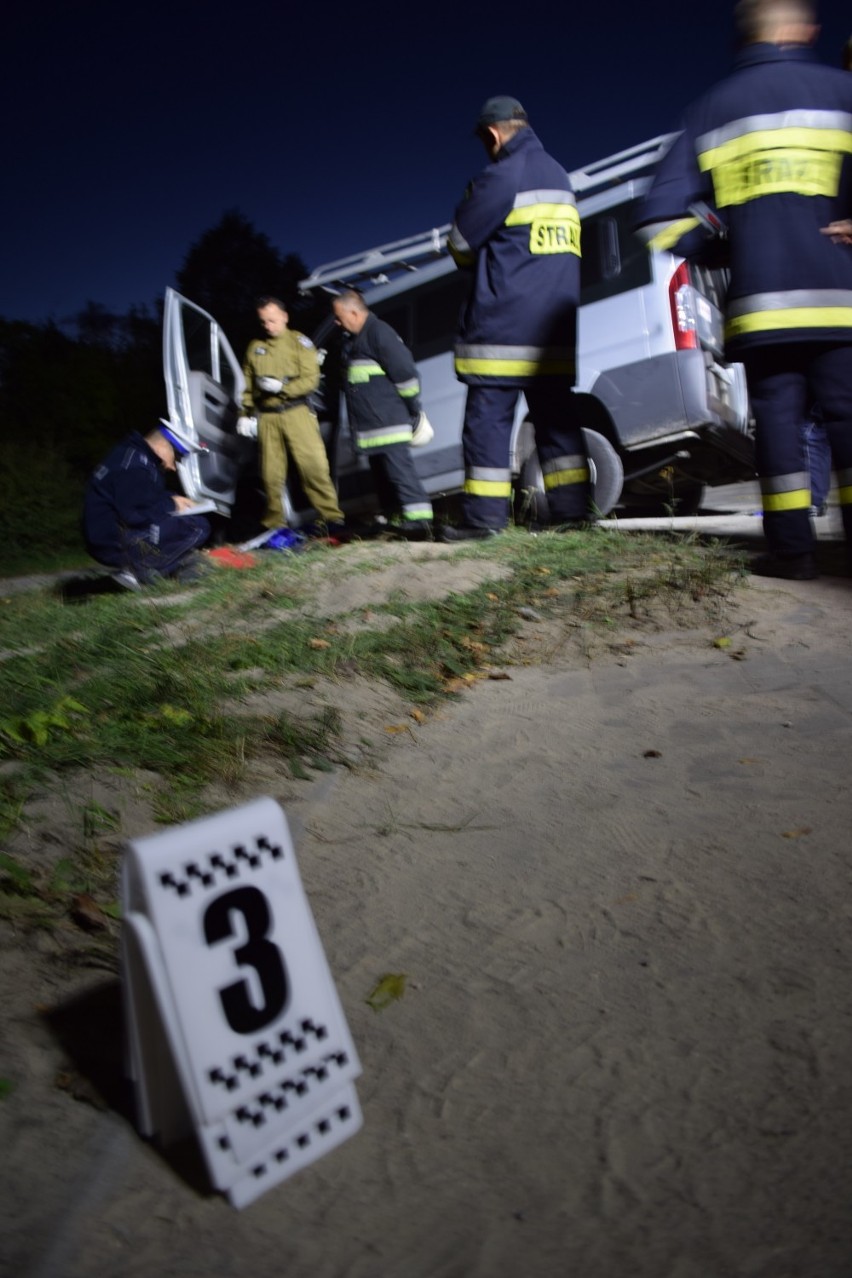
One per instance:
(605,468)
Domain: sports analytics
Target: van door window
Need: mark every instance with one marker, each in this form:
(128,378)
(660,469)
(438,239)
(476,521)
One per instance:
(614,259)
(197,331)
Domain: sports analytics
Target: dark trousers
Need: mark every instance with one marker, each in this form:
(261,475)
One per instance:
(784,380)
(489,419)
(817,459)
(398,486)
(161,549)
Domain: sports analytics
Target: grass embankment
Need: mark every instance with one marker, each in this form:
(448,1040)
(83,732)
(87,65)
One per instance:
(150,685)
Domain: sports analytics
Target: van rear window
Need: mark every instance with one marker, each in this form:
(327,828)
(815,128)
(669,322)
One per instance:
(614,259)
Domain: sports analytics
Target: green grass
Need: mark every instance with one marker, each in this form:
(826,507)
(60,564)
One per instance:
(152,682)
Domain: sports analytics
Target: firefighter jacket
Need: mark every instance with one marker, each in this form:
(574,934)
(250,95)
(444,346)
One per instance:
(127,492)
(381,384)
(518,230)
(292,358)
(770,151)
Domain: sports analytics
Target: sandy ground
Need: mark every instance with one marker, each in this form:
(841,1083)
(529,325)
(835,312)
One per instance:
(619,886)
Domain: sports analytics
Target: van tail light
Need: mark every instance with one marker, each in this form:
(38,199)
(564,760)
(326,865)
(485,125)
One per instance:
(682,299)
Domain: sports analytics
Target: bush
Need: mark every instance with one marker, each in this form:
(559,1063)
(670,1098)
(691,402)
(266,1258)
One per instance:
(41,502)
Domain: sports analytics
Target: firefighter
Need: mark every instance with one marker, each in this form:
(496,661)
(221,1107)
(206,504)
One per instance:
(383,402)
(518,232)
(281,371)
(770,150)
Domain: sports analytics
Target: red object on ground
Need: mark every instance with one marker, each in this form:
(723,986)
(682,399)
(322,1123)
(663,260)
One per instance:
(230,558)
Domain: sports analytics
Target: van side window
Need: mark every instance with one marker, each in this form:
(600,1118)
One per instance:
(399,318)
(614,259)
(429,319)
(436,314)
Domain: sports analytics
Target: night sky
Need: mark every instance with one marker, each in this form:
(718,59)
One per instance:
(131,128)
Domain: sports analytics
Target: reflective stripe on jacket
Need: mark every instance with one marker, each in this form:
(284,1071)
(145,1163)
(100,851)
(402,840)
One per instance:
(770,148)
(381,385)
(518,230)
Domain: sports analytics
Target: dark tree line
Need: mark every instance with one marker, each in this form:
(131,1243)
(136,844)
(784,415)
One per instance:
(67,392)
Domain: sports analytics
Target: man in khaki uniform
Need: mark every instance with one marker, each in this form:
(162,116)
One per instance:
(281,370)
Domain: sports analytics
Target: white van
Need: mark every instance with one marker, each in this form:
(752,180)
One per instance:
(665,413)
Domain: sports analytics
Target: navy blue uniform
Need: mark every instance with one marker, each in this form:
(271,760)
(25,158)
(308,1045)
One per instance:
(129,518)
(383,399)
(770,150)
(518,231)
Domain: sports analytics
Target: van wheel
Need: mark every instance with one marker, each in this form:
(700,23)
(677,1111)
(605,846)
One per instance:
(605,468)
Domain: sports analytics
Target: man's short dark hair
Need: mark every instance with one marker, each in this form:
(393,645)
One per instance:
(271,301)
(351,297)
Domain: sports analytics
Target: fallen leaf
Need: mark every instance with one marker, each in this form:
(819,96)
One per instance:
(493,598)
(418,716)
(81,1088)
(318,643)
(544,572)
(552,592)
(652,754)
(798,833)
(499,674)
(722,642)
(87,914)
(396,727)
(389,989)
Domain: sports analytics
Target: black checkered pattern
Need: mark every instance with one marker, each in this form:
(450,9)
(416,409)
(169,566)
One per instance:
(275,1100)
(220,867)
(315,1132)
(268,1054)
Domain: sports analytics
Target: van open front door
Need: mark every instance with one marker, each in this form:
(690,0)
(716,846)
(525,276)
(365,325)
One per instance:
(204,385)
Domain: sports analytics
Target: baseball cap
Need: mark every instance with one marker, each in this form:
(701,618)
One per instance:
(495,110)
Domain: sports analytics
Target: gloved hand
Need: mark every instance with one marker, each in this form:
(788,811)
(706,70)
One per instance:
(423,431)
(247,427)
(270,385)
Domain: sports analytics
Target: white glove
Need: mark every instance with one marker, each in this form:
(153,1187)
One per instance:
(247,427)
(423,431)
(270,385)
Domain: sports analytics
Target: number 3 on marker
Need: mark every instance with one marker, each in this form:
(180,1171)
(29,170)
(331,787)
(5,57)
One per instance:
(256,951)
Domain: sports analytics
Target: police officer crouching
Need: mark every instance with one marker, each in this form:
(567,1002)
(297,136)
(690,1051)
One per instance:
(132,523)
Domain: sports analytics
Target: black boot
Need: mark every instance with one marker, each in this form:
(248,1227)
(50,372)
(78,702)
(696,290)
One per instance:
(467,532)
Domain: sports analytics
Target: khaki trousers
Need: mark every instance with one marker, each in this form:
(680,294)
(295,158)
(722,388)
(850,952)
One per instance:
(295,433)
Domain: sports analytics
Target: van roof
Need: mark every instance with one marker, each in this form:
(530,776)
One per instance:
(376,266)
